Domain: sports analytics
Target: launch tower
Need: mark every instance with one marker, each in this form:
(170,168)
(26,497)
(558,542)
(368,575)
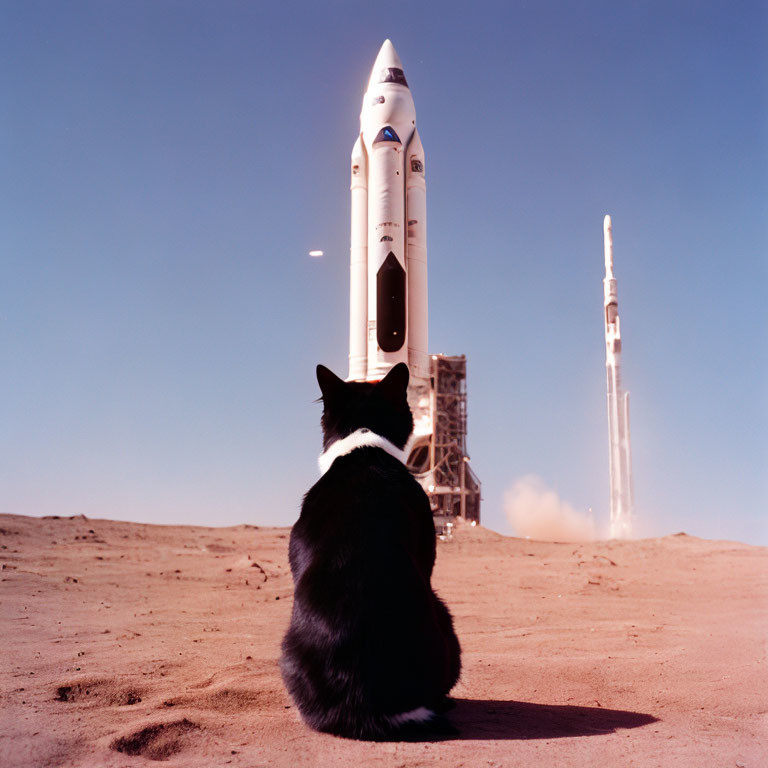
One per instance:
(442,464)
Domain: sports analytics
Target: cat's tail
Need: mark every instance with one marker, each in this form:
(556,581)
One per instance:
(420,724)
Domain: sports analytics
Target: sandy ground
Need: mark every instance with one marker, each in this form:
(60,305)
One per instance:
(125,644)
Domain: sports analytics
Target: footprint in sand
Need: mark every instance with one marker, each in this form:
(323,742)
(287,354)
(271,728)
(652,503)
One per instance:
(101,692)
(157,742)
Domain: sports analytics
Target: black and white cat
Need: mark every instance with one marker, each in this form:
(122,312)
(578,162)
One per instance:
(371,652)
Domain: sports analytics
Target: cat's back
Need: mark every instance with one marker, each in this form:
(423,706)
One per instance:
(363,484)
(367,507)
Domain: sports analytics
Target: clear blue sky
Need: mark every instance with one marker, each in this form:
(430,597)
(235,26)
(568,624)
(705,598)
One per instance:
(165,166)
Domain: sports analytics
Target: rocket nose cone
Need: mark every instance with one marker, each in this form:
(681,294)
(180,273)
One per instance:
(387,68)
(388,56)
(608,246)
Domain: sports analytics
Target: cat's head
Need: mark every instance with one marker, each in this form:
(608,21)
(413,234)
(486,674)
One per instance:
(381,407)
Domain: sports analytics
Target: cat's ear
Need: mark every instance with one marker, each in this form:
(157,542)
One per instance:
(330,384)
(394,385)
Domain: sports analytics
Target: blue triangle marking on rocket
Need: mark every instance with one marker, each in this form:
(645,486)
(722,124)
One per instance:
(387,133)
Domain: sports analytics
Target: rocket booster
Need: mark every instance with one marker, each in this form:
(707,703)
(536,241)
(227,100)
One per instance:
(619,451)
(388,254)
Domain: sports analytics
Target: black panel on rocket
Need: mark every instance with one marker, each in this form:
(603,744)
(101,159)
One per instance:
(390,304)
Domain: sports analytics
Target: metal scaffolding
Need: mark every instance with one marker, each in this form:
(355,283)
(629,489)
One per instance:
(441,463)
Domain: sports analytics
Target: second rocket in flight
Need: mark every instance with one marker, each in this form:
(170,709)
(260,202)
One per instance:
(620,458)
(388,290)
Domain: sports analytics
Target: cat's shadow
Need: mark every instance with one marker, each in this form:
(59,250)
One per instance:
(478,719)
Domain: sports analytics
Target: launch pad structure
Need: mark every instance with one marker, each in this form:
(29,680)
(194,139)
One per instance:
(440,462)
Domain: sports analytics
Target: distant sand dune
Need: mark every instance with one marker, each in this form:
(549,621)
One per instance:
(125,644)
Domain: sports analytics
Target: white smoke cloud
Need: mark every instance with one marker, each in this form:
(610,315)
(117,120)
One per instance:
(537,512)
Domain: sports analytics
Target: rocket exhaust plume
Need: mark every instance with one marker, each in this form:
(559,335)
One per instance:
(537,512)
(619,453)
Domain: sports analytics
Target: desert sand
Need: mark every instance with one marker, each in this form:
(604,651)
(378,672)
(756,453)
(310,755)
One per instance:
(126,644)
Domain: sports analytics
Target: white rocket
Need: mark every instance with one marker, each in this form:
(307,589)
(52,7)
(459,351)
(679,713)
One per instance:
(620,457)
(388,264)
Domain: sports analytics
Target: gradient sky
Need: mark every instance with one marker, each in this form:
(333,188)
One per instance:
(166,165)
